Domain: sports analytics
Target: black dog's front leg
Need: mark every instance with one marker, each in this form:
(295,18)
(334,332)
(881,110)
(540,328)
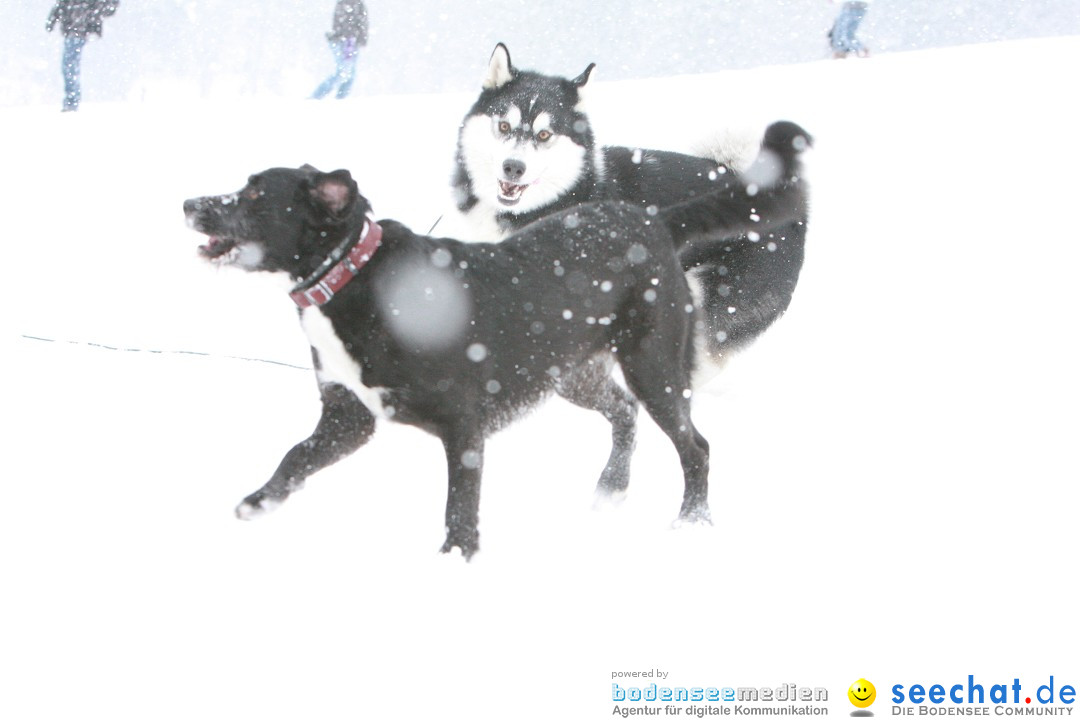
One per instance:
(464,462)
(344,426)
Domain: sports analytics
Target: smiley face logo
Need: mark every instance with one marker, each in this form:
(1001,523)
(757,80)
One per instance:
(862,693)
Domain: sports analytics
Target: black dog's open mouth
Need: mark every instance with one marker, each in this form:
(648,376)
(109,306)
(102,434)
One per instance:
(510,193)
(219,249)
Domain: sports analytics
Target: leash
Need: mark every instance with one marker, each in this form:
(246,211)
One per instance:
(150,351)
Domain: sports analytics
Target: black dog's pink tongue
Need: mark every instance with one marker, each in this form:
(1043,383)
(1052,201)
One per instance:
(211,244)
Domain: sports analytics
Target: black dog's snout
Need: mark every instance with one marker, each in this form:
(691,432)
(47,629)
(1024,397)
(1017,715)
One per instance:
(513,169)
(192,206)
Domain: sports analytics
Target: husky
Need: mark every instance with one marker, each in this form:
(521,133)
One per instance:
(460,338)
(526,149)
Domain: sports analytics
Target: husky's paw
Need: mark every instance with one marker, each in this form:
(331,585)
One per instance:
(257,505)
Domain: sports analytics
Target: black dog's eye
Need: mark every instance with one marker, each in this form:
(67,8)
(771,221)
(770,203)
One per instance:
(544,135)
(504,127)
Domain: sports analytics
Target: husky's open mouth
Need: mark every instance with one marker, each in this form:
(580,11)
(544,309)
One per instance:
(510,193)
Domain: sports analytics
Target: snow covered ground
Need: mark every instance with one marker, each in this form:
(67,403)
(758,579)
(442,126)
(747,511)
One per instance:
(894,477)
(212,49)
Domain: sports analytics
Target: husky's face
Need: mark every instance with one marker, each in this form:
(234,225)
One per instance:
(526,142)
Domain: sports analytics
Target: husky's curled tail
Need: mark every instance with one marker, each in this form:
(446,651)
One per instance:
(771,193)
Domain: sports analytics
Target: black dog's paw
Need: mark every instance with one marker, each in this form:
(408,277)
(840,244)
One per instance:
(607,498)
(468,543)
(257,505)
(695,514)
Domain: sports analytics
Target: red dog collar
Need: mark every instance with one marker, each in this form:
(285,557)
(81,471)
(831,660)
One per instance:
(326,282)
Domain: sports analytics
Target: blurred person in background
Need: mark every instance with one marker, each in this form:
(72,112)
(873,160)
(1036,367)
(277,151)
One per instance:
(842,38)
(78,20)
(349,34)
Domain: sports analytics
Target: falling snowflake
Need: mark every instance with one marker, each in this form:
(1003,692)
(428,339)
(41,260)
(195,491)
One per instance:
(476,352)
(470,459)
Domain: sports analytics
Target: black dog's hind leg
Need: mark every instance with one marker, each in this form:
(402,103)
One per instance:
(591,386)
(344,426)
(465,462)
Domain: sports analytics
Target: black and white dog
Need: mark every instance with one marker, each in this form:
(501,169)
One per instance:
(526,148)
(457,338)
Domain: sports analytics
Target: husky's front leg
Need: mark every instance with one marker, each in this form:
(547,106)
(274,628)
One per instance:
(344,426)
(590,386)
(464,462)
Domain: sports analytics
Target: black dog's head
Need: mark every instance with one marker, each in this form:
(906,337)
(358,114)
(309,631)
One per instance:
(283,220)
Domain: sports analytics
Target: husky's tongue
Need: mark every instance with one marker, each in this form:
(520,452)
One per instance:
(510,193)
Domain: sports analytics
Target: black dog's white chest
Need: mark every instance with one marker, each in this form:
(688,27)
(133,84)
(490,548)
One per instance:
(336,365)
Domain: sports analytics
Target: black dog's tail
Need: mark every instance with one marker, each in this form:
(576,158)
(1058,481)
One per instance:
(771,192)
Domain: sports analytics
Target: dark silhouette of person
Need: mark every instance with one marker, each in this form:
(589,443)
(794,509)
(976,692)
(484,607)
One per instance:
(78,20)
(842,37)
(349,34)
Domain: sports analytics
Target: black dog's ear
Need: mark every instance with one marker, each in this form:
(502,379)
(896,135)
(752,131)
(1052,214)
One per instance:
(335,191)
(583,78)
(499,71)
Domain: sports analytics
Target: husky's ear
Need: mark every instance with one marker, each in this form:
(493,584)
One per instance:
(583,78)
(499,71)
(335,192)
(581,82)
